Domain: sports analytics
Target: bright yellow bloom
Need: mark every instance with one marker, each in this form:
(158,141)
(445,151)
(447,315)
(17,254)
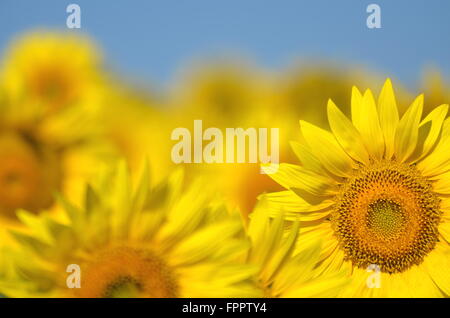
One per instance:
(49,141)
(43,154)
(159,241)
(282,273)
(375,190)
(52,71)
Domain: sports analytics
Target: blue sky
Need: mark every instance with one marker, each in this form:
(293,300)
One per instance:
(152,39)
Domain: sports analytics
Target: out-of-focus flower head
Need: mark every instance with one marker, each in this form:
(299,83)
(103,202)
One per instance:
(144,241)
(50,137)
(227,94)
(220,92)
(52,70)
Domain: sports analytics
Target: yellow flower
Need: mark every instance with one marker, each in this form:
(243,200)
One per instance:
(228,94)
(52,70)
(41,155)
(375,190)
(159,241)
(282,272)
(48,142)
(221,93)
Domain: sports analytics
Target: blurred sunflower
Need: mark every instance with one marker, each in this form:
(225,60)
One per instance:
(227,94)
(156,241)
(303,90)
(52,70)
(375,190)
(282,272)
(50,138)
(220,93)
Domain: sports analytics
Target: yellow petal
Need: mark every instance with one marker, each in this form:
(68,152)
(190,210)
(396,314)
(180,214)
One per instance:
(442,185)
(292,176)
(408,130)
(295,208)
(437,117)
(444,230)
(418,284)
(437,264)
(309,236)
(438,161)
(388,112)
(445,206)
(193,248)
(356,104)
(325,147)
(333,259)
(367,122)
(429,132)
(323,287)
(307,158)
(346,134)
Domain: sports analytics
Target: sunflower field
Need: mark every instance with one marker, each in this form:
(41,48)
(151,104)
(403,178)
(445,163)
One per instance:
(93,204)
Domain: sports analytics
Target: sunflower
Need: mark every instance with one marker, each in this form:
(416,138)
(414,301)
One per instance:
(219,92)
(52,70)
(375,189)
(158,241)
(282,273)
(228,94)
(48,143)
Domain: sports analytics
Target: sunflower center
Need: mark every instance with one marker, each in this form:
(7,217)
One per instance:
(386,218)
(127,272)
(123,287)
(388,215)
(53,85)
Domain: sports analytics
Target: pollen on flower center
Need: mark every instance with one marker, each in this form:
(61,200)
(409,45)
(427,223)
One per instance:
(386,214)
(386,218)
(127,272)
